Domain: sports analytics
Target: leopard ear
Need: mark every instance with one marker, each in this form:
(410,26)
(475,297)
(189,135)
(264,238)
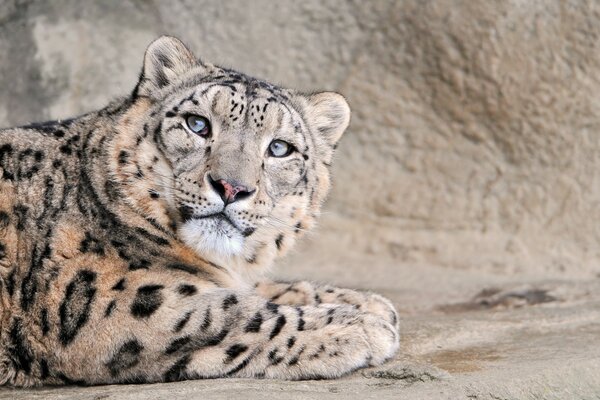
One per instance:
(166,59)
(329,113)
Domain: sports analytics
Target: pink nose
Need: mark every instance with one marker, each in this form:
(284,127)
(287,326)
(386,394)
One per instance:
(229,192)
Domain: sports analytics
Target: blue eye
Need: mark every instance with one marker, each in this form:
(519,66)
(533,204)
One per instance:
(197,124)
(279,148)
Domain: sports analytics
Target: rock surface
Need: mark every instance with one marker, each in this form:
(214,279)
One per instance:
(467,185)
(465,336)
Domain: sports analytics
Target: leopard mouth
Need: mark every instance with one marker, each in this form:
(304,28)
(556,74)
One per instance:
(187,214)
(220,217)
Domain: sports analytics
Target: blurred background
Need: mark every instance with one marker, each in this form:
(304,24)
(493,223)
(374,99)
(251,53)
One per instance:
(473,143)
(471,161)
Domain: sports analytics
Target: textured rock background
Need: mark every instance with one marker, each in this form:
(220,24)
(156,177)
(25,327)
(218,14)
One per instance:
(474,139)
(471,163)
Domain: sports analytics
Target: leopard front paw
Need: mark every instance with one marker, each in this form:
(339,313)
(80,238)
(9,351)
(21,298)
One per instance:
(383,307)
(384,338)
(365,302)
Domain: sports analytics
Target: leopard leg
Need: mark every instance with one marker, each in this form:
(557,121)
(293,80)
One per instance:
(308,293)
(175,330)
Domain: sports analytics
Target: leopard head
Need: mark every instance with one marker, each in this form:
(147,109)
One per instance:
(236,166)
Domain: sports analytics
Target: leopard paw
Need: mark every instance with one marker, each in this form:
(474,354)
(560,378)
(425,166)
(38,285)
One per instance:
(383,337)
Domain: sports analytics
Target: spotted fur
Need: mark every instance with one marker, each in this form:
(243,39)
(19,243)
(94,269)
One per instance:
(120,261)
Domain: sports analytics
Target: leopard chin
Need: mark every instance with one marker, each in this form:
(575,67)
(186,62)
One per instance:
(212,236)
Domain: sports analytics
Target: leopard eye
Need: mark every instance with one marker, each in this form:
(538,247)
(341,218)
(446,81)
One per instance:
(279,148)
(197,124)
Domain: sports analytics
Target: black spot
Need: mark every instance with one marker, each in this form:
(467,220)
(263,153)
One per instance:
(119,286)
(229,301)
(4,219)
(183,267)
(44,370)
(318,298)
(330,316)
(10,282)
(291,342)
(248,231)
(91,245)
(169,114)
(278,241)
(123,157)
(186,213)
(182,322)
(117,244)
(59,133)
(300,326)
(215,266)
(154,238)
(153,194)
(2,250)
(283,292)
(234,351)
(45,325)
(6,149)
(207,320)
(242,365)
(329,290)
(298,227)
(128,356)
(139,174)
(218,338)
(273,307)
(25,153)
(278,326)
(147,301)
(139,264)
(121,253)
(66,149)
(177,371)
(177,344)
(19,348)
(187,290)
(274,360)
(29,284)
(296,358)
(255,323)
(20,212)
(318,353)
(75,307)
(69,381)
(57,163)
(8,175)
(110,308)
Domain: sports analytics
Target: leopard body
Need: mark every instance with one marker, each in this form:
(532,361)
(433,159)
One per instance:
(121,261)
